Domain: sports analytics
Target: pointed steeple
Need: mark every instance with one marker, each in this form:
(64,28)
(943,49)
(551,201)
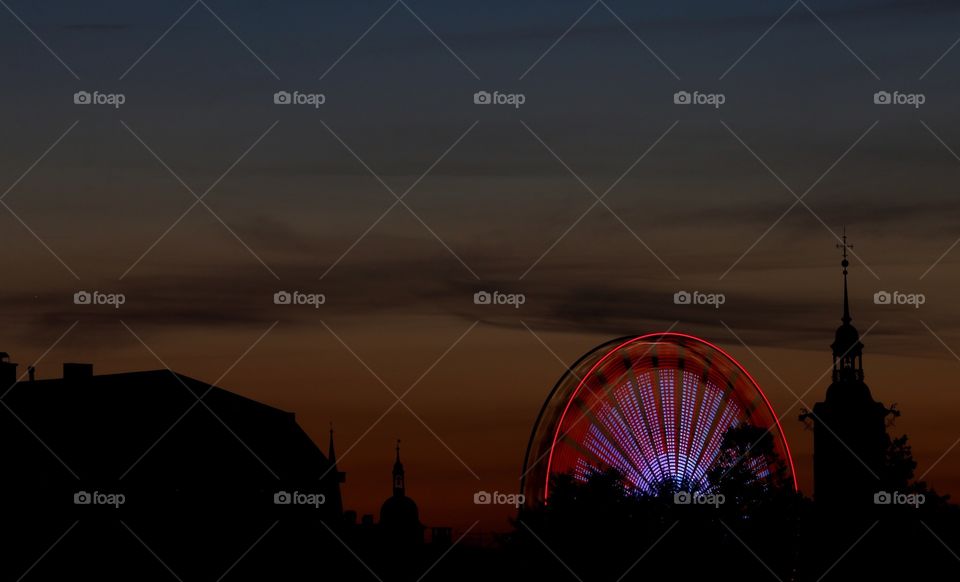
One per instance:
(399,485)
(846,347)
(331,453)
(845,263)
(332,457)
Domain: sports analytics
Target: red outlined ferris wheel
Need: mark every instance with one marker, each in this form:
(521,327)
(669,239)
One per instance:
(655,407)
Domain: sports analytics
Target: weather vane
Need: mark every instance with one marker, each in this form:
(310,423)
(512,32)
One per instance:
(844,247)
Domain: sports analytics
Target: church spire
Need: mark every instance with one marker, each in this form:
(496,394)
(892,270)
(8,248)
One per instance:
(399,485)
(331,453)
(846,347)
(845,263)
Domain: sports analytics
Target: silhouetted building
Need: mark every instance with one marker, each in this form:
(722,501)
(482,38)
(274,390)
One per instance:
(850,438)
(8,372)
(194,470)
(399,515)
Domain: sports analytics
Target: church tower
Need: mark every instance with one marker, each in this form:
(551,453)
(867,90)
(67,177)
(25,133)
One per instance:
(399,487)
(399,515)
(339,477)
(849,428)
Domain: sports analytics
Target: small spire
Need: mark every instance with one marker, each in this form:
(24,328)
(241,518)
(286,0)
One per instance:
(331,453)
(398,450)
(846,319)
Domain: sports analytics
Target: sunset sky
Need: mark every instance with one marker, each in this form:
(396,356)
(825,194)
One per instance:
(494,198)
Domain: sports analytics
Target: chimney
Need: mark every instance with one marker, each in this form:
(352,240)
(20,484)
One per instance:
(74,372)
(32,373)
(8,371)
